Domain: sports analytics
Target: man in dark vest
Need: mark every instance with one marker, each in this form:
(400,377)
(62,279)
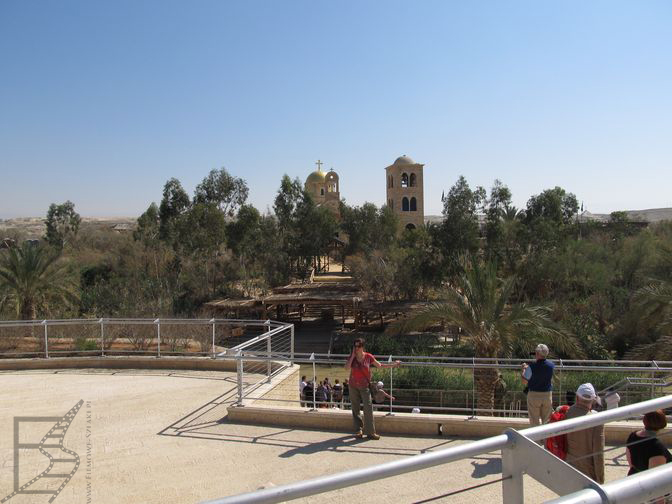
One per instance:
(539,378)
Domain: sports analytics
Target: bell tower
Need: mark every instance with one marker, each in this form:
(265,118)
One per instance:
(405,194)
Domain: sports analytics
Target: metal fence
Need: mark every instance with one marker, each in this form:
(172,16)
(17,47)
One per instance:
(122,336)
(634,381)
(520,455)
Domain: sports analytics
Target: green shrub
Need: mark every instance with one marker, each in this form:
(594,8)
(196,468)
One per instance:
(86,345)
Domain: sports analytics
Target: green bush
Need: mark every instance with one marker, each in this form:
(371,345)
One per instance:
(86,344)
(427,378)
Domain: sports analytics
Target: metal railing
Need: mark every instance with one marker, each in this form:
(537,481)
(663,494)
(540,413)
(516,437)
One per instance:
(520,455)
(460,401)
(136,336)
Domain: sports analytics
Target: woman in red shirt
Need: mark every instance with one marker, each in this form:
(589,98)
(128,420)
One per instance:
(359,363)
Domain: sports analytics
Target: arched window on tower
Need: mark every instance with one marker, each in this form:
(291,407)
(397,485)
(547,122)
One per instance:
(404,180)
(391,181)
(414,205)
(413,181)
(404,205)
(321,191)
(410,226)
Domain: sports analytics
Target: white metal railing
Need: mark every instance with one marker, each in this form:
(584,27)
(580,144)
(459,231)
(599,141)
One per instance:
(251,358)
(520,455)
(145,336)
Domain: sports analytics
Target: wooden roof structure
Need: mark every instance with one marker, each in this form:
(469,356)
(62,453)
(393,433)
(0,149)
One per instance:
(235,304)
(316,287)
(312,298)
(394,306)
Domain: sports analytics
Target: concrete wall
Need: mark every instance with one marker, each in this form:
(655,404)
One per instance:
(193,363)
(407,423)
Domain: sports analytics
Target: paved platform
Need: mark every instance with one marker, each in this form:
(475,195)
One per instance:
(158,436)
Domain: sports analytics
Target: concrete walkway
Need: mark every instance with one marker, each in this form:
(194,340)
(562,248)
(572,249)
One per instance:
(159,437)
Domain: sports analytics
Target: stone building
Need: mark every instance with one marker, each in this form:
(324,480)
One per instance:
(324,189)
(405,194)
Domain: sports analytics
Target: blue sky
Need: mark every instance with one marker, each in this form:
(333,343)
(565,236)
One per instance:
(102,102)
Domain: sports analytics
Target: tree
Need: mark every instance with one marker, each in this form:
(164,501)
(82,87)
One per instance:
(62,224)
(459,231)
(368,228)
(201,233)
(147,230)
(313,229)
(549,218)
(497,206)
(418,264)
(34,278)
(243,232)
(654,306)
(481,304)
(174,203)
(223,190)
(375,275)
(555,205)
(288,198)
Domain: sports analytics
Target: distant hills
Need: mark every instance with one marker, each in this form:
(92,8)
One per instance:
(34,227)
(650,216)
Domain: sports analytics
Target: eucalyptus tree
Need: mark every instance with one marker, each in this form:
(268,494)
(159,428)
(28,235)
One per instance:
(175,202)
(62,224)
(221,188)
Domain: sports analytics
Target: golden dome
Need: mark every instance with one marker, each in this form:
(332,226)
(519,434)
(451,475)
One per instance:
(317,177)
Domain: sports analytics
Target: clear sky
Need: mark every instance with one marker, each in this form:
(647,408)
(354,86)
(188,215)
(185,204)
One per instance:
(102,101)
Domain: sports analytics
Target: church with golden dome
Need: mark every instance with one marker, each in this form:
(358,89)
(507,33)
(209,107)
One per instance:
(404,190)
(323,188)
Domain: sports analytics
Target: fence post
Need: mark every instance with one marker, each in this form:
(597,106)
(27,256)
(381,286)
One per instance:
(239,371)
(391,371)
(158,336)
(213,337)
(102,337)
(269,364)
(291,344)
(560,400)
(473,387)
(46,339)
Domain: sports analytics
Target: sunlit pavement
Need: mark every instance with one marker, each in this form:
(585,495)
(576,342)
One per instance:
(161,437)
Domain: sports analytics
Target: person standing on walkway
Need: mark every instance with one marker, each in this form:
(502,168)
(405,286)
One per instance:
(585,448)
(359,364)
(539,378)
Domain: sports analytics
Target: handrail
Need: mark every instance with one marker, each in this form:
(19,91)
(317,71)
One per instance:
(426,460)
(148,320)
(338,359)
(640,487)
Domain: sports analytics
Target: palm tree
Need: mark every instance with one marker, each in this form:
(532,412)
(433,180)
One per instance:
(31,278)
(653,308)
(480,303)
